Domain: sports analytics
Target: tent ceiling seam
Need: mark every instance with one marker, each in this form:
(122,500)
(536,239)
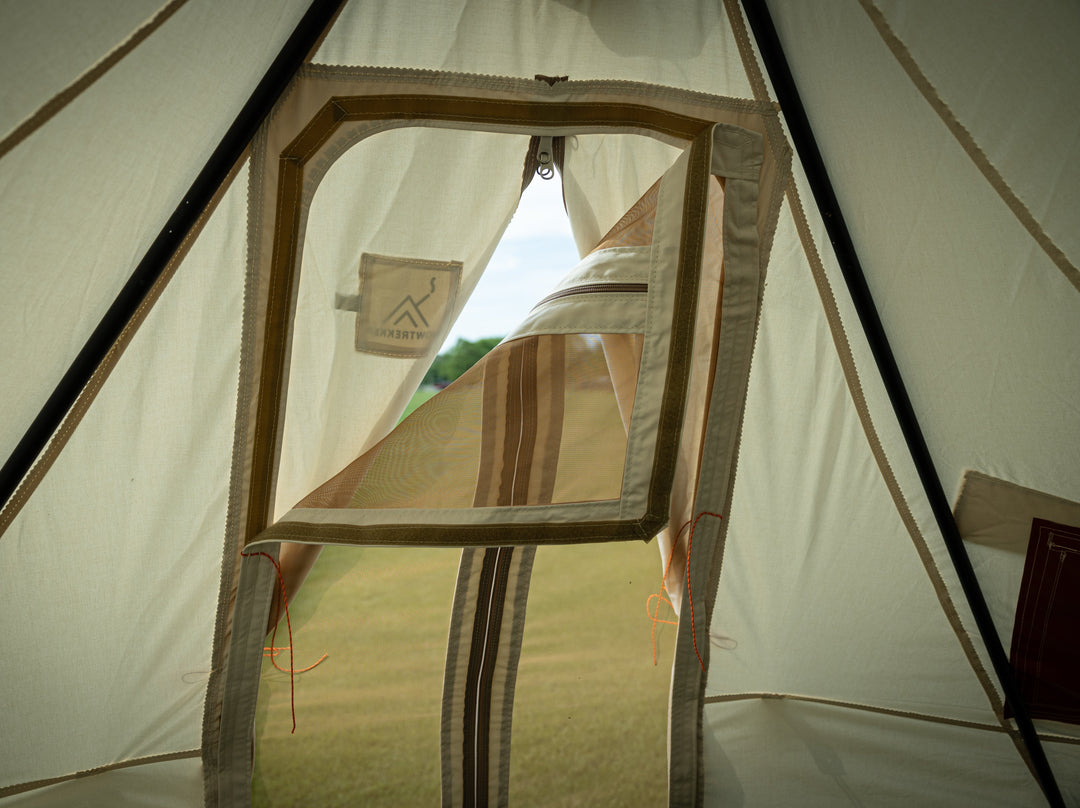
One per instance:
(873,439)
(968,144)
(851,705)
(104,370)
(854,384)
(55,105)
(1024,735)
(32,785)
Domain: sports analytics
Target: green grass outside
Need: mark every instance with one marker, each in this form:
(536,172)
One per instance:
(419,397)
(590,711)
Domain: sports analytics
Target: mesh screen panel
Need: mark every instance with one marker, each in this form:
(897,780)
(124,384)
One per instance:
(537,421)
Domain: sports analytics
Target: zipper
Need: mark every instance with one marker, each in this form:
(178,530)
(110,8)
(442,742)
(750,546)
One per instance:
(589,288)
(545,158)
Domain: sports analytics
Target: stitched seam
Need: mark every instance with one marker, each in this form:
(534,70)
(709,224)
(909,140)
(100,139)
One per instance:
(55,105)
(492,82)
(854,384)
(19,788)
(968,144)
(851,705)
(89,393)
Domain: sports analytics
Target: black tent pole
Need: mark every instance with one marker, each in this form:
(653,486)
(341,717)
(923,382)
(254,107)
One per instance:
(772,54)
(232,145)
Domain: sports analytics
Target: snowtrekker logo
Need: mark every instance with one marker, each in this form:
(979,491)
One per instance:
(404,304)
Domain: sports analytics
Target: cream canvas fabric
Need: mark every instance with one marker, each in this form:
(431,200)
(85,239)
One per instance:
(827,650)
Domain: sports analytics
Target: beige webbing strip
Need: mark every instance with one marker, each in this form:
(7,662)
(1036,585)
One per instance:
(75,415)
(56,104)
(229,580)
(968,144)
(740,311)
(227,750)
(20,788)
(551,408)
(847,363)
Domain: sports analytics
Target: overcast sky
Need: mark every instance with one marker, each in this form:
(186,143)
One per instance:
(535,252)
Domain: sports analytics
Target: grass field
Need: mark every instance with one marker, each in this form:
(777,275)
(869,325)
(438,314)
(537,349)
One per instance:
(590,710)
(419,397)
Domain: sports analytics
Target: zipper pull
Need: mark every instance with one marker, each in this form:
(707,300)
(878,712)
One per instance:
(545,157)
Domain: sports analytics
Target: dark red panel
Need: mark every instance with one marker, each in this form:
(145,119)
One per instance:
(1046,636)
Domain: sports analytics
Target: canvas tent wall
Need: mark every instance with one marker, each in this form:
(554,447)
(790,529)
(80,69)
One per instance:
(835,652)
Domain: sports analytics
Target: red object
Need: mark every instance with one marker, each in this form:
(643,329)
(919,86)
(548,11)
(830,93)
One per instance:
(1045,644)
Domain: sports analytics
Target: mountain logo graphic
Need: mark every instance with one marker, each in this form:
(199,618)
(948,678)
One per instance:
(404,306)
(409,309)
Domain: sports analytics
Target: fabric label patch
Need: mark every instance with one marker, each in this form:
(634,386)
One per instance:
(405,304)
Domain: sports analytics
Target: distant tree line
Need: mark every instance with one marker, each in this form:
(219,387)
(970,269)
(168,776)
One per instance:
(453,362)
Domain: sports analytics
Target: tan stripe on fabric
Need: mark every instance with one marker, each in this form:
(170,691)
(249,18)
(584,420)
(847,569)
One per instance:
(466,611)
(491,415)
(58,102)
(968,144)
(527,437)
(461,535)
(746,50)
(20,788)
(511,441)
(551,408)
(847,362)
(86,397)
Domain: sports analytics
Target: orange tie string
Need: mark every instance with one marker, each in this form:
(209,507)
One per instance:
(272,650)
(660,596)
(689,596)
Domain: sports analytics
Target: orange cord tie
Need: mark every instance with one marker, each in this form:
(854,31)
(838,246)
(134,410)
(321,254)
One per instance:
(272,650)
(661,596)
(689,597)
